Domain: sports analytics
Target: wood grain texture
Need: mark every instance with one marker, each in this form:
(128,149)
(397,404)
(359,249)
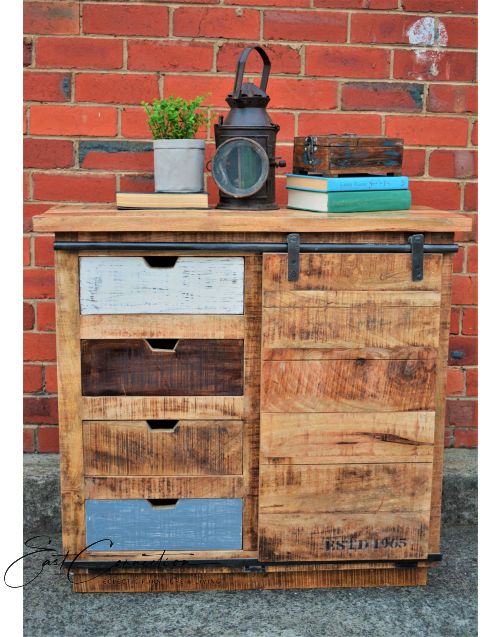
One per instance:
(328,236)
(348,385)
(332,536)
(353,272)
(233,236)
(194,285)
(135,367)
(346,488)
(357,299)
(166,556)
(162,407)
(106,218)
(347,327)
(323,438)
(441,374)
(160,326)
(69,388)
(253,327)
(194,524)
(132,448)
(199,581)
(342,353)
(154,487)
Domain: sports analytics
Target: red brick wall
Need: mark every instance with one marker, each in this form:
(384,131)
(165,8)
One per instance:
(395,67)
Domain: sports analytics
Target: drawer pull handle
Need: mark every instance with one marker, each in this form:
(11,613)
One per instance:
(163,503)
(162,425)
(161,262)
(167,344)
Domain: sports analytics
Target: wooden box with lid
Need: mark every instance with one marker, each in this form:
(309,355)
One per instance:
(251,399)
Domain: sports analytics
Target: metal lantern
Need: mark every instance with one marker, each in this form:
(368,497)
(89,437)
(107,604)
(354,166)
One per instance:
(244,163)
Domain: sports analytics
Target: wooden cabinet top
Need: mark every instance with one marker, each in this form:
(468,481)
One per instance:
(107,218)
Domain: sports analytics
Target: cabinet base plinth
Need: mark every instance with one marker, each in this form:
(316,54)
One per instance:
(147,582)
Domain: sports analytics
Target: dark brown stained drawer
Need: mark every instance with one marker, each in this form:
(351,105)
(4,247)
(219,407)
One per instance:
(162,447)
(161,367)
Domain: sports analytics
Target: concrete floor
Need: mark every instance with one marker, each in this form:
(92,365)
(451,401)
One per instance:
(446,607)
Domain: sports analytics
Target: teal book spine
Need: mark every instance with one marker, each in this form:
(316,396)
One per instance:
(362,201)
(370,201)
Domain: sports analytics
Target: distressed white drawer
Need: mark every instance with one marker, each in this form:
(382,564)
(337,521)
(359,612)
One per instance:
(159,285)
(189,524)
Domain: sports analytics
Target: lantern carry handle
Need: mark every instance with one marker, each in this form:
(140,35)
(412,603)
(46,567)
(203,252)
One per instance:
(240,69)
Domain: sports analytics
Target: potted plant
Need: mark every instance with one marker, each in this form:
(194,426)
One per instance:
(179,159)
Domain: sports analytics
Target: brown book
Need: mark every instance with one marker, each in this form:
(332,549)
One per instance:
(161,200)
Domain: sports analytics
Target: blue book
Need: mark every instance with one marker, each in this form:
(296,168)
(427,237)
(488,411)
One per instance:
(345,184)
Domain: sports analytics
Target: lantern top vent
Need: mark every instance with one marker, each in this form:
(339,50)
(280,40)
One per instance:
(248,95)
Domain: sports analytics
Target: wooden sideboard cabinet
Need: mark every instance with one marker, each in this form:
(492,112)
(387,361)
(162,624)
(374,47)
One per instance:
(251,399)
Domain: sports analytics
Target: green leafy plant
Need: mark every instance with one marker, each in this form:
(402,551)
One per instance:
(175,117)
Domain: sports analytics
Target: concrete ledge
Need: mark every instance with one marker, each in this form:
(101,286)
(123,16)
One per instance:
(42,494)
(460,487)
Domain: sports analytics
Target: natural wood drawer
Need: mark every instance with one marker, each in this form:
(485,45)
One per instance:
(184,524)
(161,285)
(162,447)
(162,367)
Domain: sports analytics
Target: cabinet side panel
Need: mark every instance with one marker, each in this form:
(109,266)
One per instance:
(69,388)
(441,372)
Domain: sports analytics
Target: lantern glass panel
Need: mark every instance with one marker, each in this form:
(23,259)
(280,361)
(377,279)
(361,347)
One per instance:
(240,167)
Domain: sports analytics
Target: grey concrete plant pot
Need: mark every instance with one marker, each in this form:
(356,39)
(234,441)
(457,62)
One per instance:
(179,165)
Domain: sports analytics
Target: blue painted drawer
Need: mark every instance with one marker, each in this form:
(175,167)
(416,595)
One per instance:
(189,525)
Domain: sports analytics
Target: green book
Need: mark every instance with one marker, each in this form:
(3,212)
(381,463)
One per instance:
(359,201)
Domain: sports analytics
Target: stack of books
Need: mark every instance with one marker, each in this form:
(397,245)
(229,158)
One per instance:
(161,200)
(348,194)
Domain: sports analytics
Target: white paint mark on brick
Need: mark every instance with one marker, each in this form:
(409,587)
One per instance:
(428,32)
(424,32)
(421,32)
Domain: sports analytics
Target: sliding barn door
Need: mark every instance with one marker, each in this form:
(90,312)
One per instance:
(348,407)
